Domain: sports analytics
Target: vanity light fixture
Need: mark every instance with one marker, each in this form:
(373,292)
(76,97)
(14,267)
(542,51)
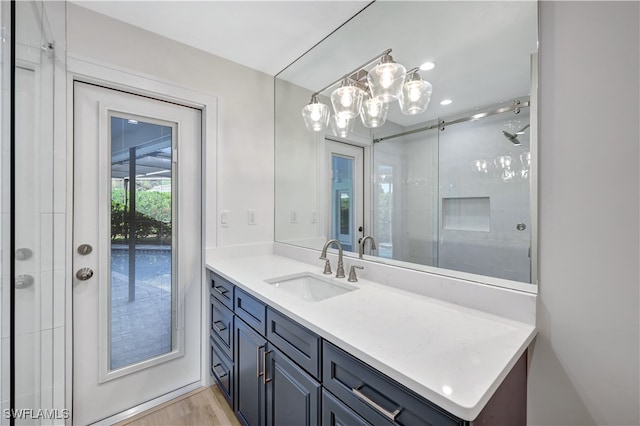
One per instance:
(368,92)
(347,99)
(315,114)
(386,79)
(374,112)
(341,126)
(415,94)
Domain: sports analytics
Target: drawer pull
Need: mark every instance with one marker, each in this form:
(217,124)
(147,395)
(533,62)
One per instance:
(390,415)
(220,289)
(219,328)
(224,372)
(264,361)
(258,373)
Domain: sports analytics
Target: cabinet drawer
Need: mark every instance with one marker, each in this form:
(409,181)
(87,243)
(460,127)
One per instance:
(222,371)
(376,397)
(335,413)
(251,310)
(298,343)
(222,326)
(221,289)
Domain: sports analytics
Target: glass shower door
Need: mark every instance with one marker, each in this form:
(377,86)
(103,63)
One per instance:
(38,325)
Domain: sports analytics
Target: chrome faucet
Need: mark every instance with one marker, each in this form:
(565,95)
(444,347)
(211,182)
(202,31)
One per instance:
(327,265)
(362,243)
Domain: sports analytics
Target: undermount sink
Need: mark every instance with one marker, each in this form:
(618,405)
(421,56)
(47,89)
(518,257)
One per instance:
(310,287)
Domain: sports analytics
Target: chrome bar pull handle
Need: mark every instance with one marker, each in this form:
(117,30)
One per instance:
(220,289)
(258,373)
(218,327)
(388,414)
(224,373)
(265,380)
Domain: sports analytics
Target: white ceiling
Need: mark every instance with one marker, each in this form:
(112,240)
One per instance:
(264,35)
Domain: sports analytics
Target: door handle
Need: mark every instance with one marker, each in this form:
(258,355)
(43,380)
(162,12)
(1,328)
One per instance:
(84,274)
(24,281)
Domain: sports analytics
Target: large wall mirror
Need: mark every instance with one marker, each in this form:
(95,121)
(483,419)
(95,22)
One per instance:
(451,189)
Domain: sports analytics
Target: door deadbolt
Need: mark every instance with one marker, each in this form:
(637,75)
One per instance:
(85,249)
(521,227)
(84,274)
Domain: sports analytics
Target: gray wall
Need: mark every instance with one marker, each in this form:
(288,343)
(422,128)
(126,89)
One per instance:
(584,368)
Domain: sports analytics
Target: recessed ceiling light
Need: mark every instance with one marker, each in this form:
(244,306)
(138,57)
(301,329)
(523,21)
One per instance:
(427,66)
(446,102)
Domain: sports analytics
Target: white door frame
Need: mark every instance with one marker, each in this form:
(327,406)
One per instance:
(89,71)
(359,154)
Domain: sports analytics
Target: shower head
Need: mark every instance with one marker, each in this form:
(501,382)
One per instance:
(512,138)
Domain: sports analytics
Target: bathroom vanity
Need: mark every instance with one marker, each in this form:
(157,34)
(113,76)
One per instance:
(291,346)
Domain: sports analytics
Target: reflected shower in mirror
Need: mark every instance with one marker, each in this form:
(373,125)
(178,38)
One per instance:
(449,189)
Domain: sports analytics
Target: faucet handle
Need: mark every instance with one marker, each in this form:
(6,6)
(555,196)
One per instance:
(327,266)
(352,273)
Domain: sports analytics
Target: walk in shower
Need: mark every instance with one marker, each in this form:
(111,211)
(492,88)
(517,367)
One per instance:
(454,194)
(33,216)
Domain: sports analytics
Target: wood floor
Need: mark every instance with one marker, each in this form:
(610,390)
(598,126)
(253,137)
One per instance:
(204,406)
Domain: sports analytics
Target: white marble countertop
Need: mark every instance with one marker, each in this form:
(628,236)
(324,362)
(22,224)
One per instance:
(454,356)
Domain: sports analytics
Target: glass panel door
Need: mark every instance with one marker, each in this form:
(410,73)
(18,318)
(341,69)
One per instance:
(142,284)
(342,211)
(346,193)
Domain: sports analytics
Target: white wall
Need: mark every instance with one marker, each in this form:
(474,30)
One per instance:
(245,110)
(584,368)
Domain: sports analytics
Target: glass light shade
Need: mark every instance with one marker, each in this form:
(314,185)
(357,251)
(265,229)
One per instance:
(315,115)
(415,95)
(386,79)
(347,100)
(341,126)
(373,112)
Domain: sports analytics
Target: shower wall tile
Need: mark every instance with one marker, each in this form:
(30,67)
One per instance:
(27,310)
(46,366)
(5,313)
(27,370)
(46,242)
(58,299)
(59,177)
(59,241)
(45,299)
(43,161)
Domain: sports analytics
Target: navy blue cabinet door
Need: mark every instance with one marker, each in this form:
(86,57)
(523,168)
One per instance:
(250,347)
(293,397)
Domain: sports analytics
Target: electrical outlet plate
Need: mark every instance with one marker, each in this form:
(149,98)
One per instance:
(251,217)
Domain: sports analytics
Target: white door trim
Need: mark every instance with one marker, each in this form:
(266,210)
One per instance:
(89,71)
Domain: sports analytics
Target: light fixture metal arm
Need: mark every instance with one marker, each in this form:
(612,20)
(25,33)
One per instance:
(386,52)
